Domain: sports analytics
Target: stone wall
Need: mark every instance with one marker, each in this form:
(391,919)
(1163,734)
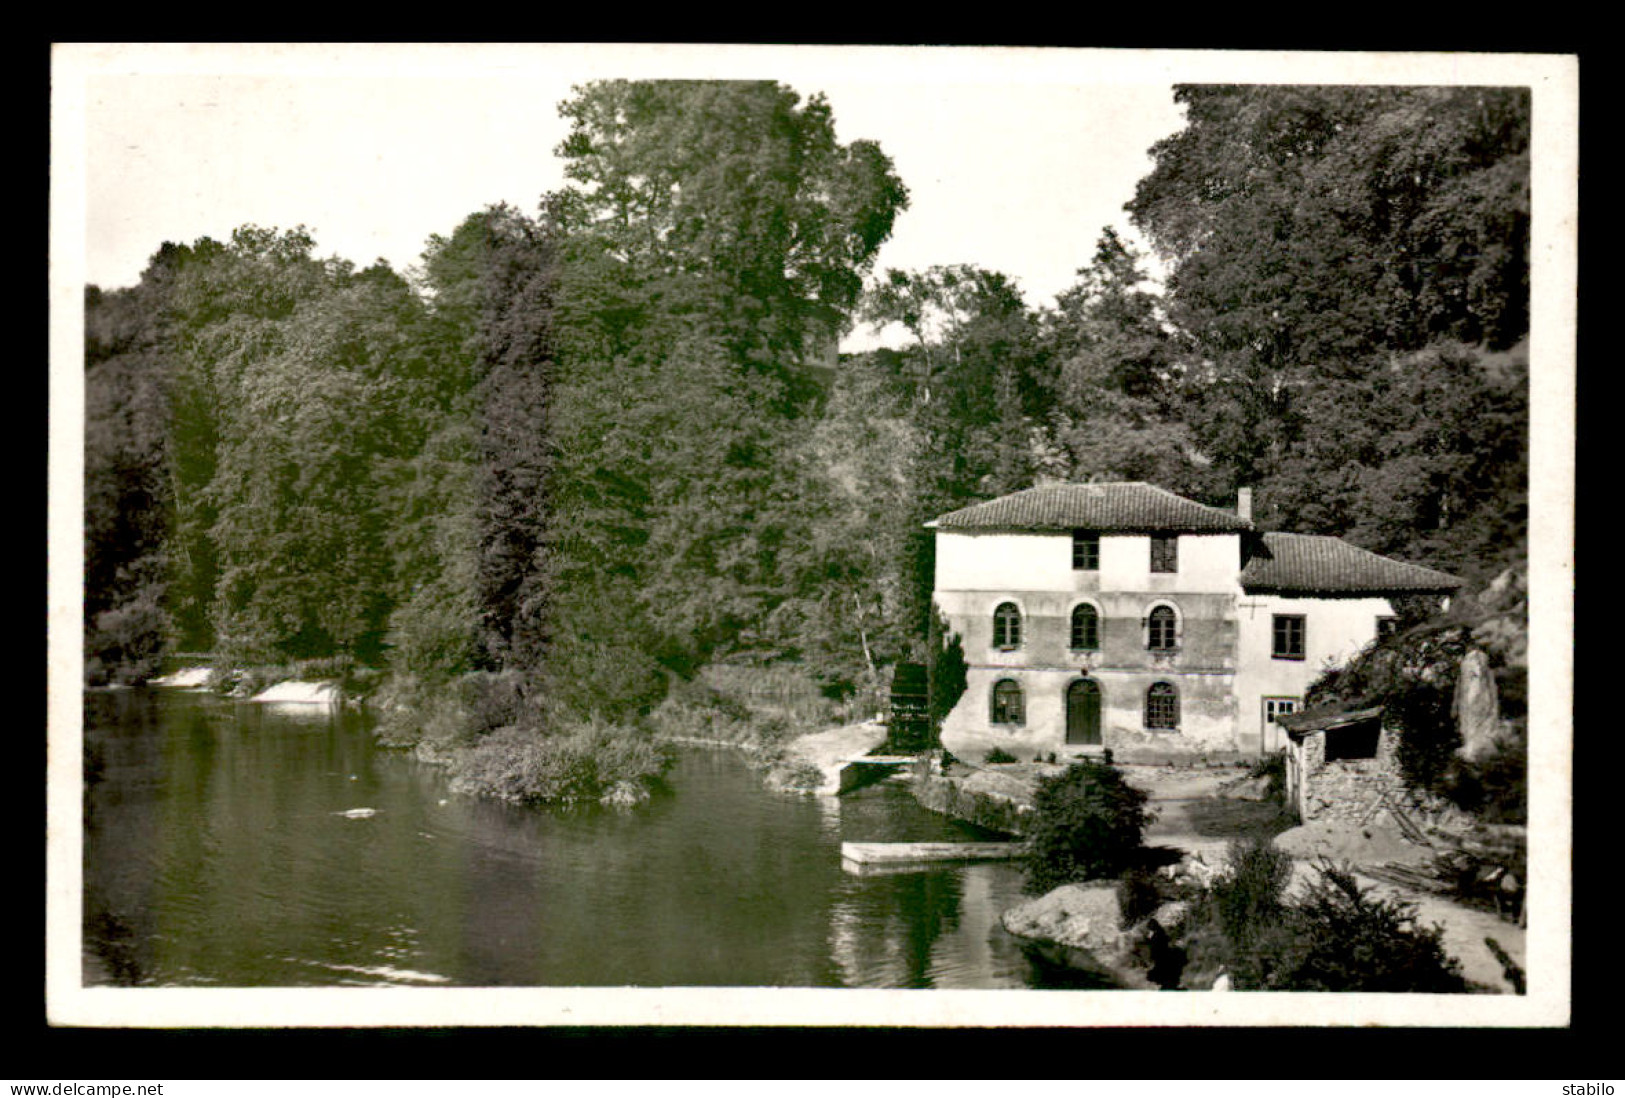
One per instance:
(995,810)
(1353,790)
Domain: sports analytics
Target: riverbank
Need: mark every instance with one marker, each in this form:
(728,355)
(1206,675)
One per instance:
(1198,813)
(495,741)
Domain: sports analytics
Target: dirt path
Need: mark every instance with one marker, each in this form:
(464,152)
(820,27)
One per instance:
(1194,814)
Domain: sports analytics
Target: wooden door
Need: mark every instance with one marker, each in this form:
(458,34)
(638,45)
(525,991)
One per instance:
(1083,712)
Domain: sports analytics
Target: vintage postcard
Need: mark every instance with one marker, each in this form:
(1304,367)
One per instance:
(669,535)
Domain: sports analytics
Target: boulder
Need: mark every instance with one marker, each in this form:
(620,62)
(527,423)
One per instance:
(1193,869)
(1477,706)
(1171,915)
(1080,916)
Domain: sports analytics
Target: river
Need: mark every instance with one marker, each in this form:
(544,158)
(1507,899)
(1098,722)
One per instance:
(235,845)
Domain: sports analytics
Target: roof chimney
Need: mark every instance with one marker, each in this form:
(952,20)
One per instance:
(1244,504)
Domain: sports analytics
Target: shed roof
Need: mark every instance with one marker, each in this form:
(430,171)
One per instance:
(1325,718)
(1315,564)
(1124,506)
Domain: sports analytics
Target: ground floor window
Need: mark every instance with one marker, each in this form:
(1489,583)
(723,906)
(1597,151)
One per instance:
(1007,707)
(1162,706)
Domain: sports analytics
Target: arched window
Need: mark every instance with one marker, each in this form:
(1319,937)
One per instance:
(1007,708)
(1162,630)
(1161,706)
(1085,628)
(1007,626)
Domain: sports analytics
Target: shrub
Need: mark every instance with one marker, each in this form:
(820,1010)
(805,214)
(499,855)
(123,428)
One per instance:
(998,756)
(1087,822)
(1346,939)
(1428,734)
(492,699)
(1495,787)
(528,767)
(1336,936)
(1273,768)
(1139,893)
(126,643)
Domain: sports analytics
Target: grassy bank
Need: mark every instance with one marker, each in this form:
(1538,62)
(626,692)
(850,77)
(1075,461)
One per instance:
(497,741)
(758,710)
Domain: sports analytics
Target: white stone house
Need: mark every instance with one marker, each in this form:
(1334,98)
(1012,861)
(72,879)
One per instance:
(1124,616)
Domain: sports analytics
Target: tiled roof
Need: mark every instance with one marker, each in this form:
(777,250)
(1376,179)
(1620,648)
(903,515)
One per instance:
(1313,564)
(1122,507)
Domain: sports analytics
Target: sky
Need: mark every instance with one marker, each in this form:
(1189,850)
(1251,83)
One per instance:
(1015,160)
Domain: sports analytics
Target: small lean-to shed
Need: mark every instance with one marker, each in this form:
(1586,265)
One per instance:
(1339,763)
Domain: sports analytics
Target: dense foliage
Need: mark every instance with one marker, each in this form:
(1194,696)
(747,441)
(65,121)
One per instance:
(1087,823)
(1333,935)
(599,448)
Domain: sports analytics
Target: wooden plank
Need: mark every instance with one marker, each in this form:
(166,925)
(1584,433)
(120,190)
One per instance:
(874,853)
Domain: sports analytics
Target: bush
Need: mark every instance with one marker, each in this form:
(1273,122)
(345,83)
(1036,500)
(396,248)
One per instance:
(524,766)
(1139,893)
(1335,937)
(1273,768)
(1086,823)
(126,643)
(1236,923)
(998,756)
(1347,940)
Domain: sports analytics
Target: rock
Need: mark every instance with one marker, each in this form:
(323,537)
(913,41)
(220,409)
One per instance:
(1192,869)
(1477,706)
(1080,916)
(294,692)
(1171,915)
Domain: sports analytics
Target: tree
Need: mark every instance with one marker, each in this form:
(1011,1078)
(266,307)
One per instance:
(221,308)
(712,241)
(321,403)
(1310,228)
(734,201)
(127,492)
(1087,823)
(1115,373)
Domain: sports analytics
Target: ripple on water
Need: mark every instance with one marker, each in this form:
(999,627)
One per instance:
(250,867)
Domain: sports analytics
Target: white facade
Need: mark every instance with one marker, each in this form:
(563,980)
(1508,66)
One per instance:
(1222,666)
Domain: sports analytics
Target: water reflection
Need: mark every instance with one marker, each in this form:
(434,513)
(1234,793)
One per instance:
(230,844)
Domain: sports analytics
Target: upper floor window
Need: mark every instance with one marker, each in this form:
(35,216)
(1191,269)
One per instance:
(1085,551)
(1162,630)
(1085,628)
(1165,553)
(1161,706)
(1007,626)
(1288,637)
(1007,707)
(1386,627)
